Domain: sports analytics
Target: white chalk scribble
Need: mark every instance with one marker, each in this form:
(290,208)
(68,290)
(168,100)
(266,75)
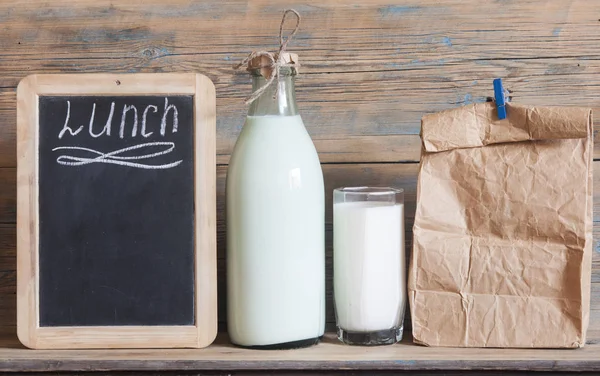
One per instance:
(82,156)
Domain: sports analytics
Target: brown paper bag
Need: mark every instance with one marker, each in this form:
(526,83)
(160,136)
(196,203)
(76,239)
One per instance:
(503,228)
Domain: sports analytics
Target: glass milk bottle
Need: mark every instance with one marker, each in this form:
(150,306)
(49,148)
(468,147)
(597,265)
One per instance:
(275,224)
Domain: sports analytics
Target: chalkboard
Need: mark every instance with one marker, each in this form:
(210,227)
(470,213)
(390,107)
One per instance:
(119,209)
(116,200)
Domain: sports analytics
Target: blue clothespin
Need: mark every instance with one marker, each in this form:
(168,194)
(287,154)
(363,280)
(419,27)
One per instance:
(500,97)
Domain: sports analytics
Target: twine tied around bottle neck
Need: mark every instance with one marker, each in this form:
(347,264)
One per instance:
(275,61)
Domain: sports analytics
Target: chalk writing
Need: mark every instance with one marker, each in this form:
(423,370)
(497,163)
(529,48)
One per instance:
(79,156)
(66,126)
(163,123)
(144,120)
(106,128)
(168,108)
(126,109)
(116,157)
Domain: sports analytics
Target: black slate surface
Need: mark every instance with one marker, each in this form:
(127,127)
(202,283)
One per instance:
(116,224)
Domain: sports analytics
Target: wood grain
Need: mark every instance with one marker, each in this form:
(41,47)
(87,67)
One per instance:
(328,355)
(27,213)
(205,198)
(8,195)
(370,71)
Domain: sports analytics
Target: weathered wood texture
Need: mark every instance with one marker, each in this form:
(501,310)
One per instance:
(369,72)
(329,355)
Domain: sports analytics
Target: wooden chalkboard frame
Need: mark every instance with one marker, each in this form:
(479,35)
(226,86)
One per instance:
(203,332)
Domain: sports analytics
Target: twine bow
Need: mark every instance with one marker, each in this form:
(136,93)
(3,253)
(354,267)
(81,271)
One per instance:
(276,61)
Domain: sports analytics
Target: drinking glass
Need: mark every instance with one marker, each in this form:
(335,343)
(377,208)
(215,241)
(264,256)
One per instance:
(369,272)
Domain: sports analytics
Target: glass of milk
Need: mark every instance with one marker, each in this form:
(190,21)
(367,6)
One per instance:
(369,273)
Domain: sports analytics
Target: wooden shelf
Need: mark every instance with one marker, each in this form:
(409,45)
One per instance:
(329,355)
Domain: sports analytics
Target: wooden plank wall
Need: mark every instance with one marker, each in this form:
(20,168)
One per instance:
(369,72)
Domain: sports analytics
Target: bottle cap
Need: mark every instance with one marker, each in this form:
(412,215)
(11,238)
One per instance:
(268,64)
(267,67)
